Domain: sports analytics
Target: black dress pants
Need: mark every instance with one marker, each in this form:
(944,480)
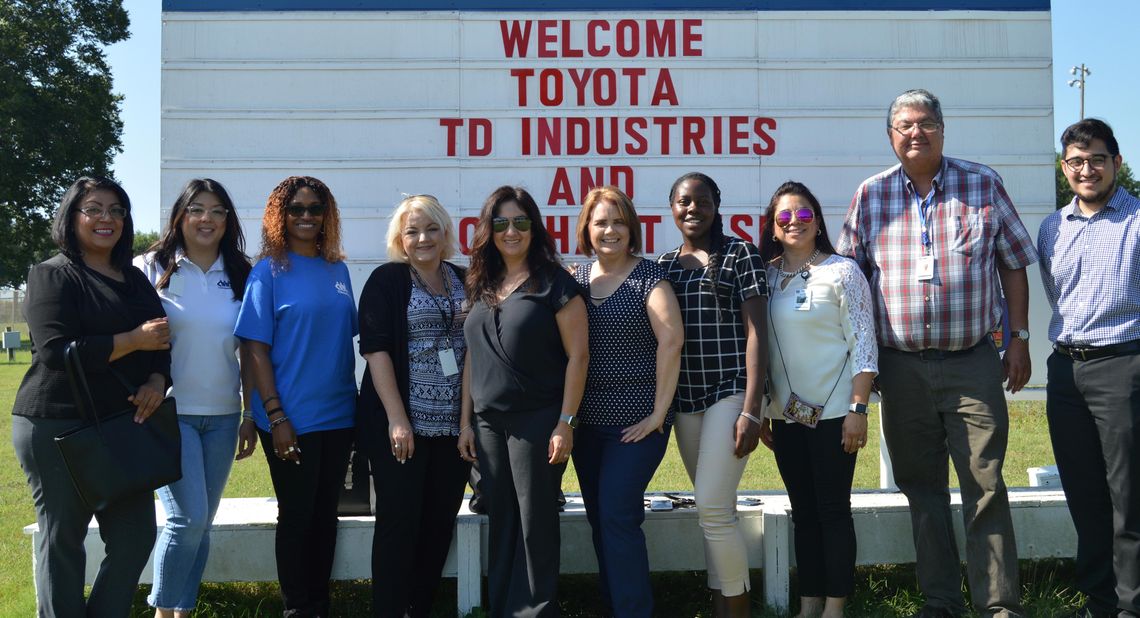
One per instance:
(307,497)
(521,491)
(416,504)
(1094,423)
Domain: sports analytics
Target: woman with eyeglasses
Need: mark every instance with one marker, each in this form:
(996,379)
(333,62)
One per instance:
(821,334)
(719,282)
(91,295)
(528,351)
(199,268)
(411,333)
(296,322)
(626,413)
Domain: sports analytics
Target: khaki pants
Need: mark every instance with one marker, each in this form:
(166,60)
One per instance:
(952,406)
(706,442)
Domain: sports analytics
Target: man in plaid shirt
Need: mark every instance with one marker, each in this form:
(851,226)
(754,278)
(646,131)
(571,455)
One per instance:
(935,236)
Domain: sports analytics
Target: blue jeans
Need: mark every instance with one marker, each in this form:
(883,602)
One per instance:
(208,447)
(613,476)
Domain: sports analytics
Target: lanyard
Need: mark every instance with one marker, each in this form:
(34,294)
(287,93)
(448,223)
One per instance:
(446,315)
(924,206)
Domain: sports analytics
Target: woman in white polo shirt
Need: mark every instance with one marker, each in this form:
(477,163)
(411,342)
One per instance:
(199,268)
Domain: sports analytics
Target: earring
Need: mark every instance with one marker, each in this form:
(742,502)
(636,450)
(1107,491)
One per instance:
(774,238)
(818,232)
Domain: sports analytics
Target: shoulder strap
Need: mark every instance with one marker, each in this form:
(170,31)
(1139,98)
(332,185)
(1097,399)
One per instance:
(80,393)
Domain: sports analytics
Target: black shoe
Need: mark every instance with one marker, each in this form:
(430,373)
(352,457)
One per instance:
(934,612)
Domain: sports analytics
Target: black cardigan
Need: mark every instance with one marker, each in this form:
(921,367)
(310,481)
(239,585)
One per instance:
(383,314)
(66,301)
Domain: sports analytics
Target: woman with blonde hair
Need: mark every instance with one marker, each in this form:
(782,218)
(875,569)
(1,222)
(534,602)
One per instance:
(411,333)
(296,322)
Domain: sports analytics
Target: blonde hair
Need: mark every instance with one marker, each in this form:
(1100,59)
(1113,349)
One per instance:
(426,205)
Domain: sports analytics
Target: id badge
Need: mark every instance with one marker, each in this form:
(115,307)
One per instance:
(803,299)
(802,412)
(447,362)
(925,267)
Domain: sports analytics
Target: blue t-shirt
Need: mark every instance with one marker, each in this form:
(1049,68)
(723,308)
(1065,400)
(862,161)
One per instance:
(308,317)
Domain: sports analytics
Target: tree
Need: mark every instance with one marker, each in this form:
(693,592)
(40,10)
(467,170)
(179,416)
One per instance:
(1124,179)
(58,117)
(143,241)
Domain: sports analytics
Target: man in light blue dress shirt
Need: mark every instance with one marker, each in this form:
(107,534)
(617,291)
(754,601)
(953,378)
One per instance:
(1090,265)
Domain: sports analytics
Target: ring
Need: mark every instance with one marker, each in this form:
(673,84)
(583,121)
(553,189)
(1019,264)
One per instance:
(398,446)
(291,449)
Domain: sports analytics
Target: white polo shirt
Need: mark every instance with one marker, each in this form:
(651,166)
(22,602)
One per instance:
(202,312)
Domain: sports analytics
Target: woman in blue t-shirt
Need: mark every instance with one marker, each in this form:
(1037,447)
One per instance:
(296,323)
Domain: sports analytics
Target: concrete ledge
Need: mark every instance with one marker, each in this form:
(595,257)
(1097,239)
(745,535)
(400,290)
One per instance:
(243,539)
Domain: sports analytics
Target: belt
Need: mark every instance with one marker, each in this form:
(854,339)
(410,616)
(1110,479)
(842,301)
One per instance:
(935,354)
(1087,353)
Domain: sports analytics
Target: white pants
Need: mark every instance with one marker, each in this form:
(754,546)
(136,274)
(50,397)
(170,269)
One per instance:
(706,441)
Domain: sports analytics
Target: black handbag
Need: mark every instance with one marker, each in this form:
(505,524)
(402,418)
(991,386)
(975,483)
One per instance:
(113,456)
(356,492)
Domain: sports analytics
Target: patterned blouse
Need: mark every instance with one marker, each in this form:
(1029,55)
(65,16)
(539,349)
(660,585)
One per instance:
(435,322)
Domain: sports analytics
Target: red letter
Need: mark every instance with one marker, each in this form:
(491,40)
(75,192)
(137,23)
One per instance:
(600,144)
(567,50)
(452,125)
(466,230)
(475,146)
(577,136)
(618,172)
(660,40)
(665,122)
(550,136)
(737,224)
(515,42)
(664,90)
(592,30)
(692,130)
(525,136)
(550,87)
(521,75)
(586,181)
(767,144)
(650,222)
(634,76)
(736,133)
(634,128)
(558,226)
(546,38)
(690,37)
(628,40)
(605,94)
(560,189)
(579,80)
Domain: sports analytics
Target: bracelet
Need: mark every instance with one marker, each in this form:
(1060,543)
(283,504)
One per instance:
(274,423)
(247,415)
(752,418)
(265,402)
(464,428)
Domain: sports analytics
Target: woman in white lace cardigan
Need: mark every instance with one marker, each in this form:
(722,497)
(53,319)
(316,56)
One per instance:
(821,338)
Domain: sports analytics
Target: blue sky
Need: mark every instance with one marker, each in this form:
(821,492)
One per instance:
(1088,32)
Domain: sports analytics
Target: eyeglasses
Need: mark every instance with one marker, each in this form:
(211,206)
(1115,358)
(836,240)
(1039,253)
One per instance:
(803,215)
(94,212)
(198,212)
(1077,164)
(926,126)
(298,210)
(520,223)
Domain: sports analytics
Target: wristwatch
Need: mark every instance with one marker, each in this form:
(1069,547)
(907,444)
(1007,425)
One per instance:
(570,420)
(1020,334)
(858,408)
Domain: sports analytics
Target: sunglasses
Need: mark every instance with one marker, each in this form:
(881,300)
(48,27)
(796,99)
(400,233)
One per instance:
(520,223)
(803,215)
(298,210)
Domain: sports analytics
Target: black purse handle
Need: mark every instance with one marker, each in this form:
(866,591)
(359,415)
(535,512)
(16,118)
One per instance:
(80,392)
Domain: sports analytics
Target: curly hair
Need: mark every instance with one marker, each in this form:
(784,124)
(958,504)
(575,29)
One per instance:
(486,270)
(274,240)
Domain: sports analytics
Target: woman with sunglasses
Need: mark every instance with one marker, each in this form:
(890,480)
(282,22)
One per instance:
(626,412)
(199,268)
(91,295)
(719,282)
(528,351)
(821,334)
(296,323)
(411,333)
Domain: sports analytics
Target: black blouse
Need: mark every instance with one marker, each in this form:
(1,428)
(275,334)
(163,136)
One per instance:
(67,302)
(518,363)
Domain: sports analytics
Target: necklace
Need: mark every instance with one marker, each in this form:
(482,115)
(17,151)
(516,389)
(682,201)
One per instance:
(803,271)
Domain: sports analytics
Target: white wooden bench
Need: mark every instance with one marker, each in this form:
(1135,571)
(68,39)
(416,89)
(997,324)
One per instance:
(242,541)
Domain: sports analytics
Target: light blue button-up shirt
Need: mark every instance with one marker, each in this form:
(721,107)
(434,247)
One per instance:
(1091,270)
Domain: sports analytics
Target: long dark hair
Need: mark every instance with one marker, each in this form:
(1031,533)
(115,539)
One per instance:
(63,228)
(717,240)
(486,270)
(232,248)
(769,248)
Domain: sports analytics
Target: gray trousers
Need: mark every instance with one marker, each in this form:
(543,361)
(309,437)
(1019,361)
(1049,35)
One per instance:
(935,408)
(126,527)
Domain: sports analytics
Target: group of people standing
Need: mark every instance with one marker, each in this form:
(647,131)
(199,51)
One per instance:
(519,364)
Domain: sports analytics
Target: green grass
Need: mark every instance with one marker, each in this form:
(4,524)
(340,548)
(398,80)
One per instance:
(881,591)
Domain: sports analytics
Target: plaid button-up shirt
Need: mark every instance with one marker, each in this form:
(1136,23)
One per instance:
(971,224)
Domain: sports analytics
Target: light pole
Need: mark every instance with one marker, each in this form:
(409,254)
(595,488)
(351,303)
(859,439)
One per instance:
(1081,71)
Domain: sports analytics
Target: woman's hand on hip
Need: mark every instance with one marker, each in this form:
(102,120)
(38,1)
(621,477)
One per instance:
(854,432)
(561,443)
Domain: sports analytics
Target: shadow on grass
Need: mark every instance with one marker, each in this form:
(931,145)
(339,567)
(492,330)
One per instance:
(880,592)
